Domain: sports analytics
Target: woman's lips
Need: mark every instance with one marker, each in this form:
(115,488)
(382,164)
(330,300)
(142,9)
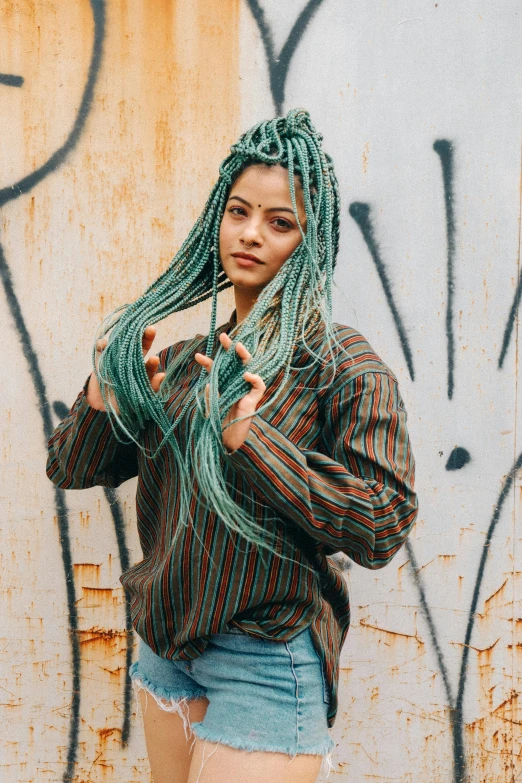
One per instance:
(246,260)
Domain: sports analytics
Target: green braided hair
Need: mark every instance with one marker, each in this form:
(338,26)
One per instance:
(290,308)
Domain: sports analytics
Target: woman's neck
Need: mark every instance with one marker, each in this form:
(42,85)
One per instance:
(245,300)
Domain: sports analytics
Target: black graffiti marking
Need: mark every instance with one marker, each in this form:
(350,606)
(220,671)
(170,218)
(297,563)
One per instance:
(508,483)
(61,410)
(278,66)
(60,505)
(59,500)
(429,619)
(57,158)
(360,212)
(456,725)
(10,80)
(458,458)
(123,552)
(444,150)
(8,194)
(510,323)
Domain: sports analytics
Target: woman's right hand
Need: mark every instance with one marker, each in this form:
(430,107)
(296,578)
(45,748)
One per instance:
(94,395)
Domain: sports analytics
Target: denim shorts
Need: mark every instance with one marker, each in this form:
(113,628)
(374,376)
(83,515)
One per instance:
(263,694)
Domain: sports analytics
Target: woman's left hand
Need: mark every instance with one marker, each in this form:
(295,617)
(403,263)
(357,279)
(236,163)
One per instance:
(235,435)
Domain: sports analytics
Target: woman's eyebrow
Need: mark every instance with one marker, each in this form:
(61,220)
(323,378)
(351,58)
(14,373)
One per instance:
(243,201)
(272,209)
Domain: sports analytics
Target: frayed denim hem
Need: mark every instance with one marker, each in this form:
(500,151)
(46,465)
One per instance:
(325,749)
(179,705)
(164,699)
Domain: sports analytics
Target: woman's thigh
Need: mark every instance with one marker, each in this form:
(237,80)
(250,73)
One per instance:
(218,763)
(170,702)
(170,751)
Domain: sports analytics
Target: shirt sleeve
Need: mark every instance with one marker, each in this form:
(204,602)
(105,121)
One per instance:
(355,495)
(84,452)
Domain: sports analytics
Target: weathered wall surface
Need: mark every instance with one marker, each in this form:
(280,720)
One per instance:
(114,119)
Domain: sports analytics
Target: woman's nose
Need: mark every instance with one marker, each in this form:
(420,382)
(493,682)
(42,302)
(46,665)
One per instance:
(251,235)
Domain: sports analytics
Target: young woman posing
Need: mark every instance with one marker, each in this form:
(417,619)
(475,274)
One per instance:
(261,449)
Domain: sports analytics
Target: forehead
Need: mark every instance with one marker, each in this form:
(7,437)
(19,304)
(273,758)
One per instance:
(263,182)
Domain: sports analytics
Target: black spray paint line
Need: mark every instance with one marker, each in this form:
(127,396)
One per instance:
(508,483)
(58,157)
(61,410)
(8,194)
(510,324)
(360,212)
(60,505)
(123,552)
(10,80)
(444,150)
(511,319)
(429,619)
(457,728)
(278,66)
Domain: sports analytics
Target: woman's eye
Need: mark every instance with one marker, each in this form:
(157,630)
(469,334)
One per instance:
(237,210)
(281,223)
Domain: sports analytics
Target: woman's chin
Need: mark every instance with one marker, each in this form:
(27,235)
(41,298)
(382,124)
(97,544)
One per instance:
(246,279)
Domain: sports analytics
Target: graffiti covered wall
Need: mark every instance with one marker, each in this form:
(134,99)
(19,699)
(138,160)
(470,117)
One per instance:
(114,119)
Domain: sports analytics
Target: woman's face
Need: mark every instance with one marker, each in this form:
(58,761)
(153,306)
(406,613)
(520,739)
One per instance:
(259,230)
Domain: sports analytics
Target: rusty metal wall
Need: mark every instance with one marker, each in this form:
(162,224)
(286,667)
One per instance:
(114,119)
(123,117)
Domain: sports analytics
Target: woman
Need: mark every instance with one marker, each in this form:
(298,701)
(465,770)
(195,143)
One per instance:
(260,450)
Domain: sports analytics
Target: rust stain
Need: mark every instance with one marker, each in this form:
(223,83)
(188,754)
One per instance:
(105,636)
(477,649)
(495,594)
(495,747)
(192,130)
(395,634)
(87,572)
(97,597)
(365,154)
(445,559)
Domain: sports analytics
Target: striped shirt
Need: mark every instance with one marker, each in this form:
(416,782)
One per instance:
(327,465)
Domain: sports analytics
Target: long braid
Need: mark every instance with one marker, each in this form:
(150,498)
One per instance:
(289,309)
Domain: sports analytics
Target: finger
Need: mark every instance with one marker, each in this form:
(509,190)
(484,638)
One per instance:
(205,361)
(258,386)
(151,366)
(100,345)
(243,353)
(225,340)
(157,380)
(148,338)
(207,398)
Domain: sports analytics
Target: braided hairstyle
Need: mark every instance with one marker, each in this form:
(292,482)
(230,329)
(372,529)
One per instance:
(290,308)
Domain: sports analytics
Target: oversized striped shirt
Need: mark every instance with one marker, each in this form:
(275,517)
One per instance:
(327,465)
